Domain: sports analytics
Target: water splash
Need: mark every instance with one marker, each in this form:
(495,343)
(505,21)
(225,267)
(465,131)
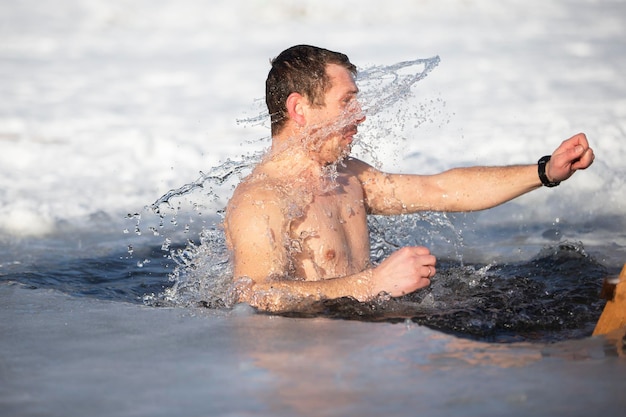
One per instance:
(493,302)
(210,183)
(202,277)
(202,265)
(380,87)
(434,230)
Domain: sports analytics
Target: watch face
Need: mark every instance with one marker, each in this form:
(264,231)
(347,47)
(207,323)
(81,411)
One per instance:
(541,169)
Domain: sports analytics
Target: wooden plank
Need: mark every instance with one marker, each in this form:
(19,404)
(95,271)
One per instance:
(614,314)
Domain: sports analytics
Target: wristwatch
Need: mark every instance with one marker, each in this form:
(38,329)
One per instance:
(541,169)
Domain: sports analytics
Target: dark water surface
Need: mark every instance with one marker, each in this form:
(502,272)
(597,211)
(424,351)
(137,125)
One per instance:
(554,295)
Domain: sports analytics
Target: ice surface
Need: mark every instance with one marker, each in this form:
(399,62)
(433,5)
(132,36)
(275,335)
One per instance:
(75,357)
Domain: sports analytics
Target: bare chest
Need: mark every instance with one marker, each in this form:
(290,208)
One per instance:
(331,239)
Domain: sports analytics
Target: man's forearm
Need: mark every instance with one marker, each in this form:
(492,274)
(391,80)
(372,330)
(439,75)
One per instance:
(285,294)
(479,188)
(458,189)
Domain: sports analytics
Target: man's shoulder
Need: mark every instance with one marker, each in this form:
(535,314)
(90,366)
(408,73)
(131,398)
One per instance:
(257,191)
(359,168)
(254,189)
(255,203)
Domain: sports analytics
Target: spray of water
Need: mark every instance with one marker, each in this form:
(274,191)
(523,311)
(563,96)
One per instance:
(464,299)
(203,272)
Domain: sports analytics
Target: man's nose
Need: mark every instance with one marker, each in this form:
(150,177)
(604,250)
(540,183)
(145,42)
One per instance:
(359,114)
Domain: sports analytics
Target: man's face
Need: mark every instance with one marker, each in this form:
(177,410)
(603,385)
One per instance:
(333,125)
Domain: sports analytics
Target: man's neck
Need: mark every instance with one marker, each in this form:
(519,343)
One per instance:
(290,151)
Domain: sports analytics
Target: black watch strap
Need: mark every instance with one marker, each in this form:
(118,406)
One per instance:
(541,169)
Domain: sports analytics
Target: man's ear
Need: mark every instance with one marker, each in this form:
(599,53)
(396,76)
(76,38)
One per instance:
(296,104)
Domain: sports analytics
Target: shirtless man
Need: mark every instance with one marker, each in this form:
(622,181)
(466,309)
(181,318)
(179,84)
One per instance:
(297,224)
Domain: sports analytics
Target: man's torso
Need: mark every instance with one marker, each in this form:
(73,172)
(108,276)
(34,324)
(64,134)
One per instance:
(324,222)
(331,238)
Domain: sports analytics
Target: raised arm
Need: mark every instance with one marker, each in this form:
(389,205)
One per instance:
(467,189)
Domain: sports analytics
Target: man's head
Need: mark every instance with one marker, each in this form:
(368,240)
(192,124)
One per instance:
(300,69)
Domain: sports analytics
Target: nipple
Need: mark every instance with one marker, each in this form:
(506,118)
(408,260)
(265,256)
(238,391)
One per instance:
(330,254)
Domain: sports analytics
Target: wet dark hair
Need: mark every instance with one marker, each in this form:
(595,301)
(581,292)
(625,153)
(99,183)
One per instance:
(299,69)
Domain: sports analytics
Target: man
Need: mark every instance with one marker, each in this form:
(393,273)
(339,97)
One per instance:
(297,224)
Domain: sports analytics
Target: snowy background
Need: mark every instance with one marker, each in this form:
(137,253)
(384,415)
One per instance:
(107,105)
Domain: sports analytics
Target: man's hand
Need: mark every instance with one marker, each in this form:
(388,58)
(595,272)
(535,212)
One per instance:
(573,154)
(404,271)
